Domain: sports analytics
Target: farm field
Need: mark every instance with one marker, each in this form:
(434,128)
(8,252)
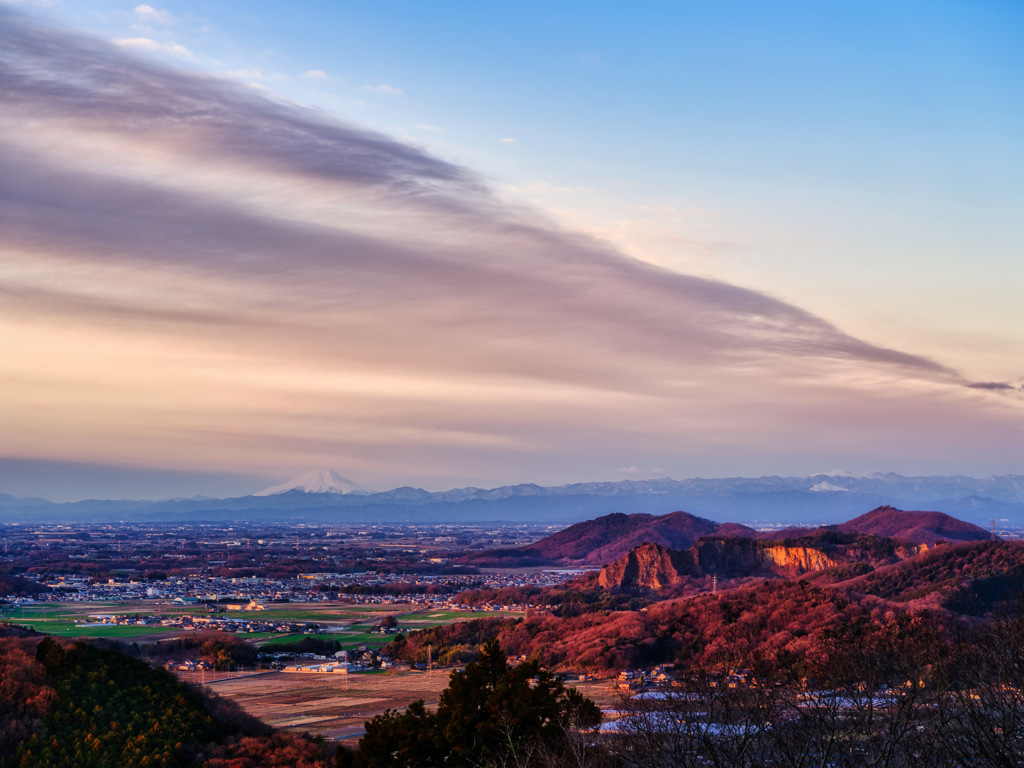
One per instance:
(62,619)
(337,705)
(334,705)
(445,616)
(68,619)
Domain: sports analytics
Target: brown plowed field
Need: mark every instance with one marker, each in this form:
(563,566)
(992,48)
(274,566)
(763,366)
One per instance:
(337,705)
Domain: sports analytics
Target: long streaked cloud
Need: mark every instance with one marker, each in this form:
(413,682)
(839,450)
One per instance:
(267,280)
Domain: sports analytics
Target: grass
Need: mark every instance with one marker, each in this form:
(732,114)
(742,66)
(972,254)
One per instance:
(438,617)
(59,619)
(289,639)
(347,639)
(70,629)
(278,614)
(363,638)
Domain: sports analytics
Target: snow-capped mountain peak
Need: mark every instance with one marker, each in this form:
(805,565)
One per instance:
(824,485)
(322,480)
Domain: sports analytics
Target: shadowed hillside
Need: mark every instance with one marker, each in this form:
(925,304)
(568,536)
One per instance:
(75,704)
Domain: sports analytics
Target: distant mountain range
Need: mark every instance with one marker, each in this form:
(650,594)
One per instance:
(810,500)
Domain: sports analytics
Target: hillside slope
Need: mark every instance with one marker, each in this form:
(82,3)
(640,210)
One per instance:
(75,704)
(607,538)
(914,527)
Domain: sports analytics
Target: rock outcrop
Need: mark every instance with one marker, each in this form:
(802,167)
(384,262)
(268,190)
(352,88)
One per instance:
(652,567)
(649,566)
(793,561)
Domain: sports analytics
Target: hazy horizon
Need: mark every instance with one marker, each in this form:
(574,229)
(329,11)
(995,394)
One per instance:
(84,482)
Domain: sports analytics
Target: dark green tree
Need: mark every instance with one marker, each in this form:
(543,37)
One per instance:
(490,713)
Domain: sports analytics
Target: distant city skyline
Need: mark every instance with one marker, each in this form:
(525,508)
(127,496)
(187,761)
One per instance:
(445,246)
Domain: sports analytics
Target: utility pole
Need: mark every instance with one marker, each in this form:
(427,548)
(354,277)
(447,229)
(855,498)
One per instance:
(430,648)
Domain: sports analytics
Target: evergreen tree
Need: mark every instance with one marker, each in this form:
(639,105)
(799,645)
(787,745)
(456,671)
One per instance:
(490,713)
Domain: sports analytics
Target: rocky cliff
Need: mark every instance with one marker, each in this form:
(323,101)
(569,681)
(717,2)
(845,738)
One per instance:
(651,566)
(793,561)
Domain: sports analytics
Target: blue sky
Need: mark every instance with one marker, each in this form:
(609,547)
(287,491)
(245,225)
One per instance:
(851,170)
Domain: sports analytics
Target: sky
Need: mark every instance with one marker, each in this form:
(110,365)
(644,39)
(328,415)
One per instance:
(453,244)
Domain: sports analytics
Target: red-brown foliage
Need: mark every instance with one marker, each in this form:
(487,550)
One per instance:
(25,693)
(276,750)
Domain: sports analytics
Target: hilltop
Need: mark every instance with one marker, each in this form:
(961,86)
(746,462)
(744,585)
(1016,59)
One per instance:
(915,527)
(608,538)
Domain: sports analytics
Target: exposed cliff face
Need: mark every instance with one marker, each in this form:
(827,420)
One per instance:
(905,552)
(651,566)
(727,557)
(796,560)
(608,538)
(743,557)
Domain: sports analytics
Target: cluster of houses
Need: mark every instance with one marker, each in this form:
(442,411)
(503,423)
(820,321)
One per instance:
(630,680)
(216,622)
(254,592)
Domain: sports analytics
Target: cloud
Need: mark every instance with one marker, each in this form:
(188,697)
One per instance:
(146,44)
(993,385)
(149,13)
(315,74)
(509,141)
(390,90)
(197,276)
(431,128)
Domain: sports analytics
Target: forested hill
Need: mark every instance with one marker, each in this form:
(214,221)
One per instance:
(914,527)
(606,539)
(79,705)
(599,541)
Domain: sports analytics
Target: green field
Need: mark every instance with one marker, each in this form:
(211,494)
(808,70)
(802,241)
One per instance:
(318,615)
(70,629)
(444,617)
(60,619)
(347,639)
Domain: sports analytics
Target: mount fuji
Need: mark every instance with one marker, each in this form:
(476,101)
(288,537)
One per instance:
(322,480)
(324,495)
